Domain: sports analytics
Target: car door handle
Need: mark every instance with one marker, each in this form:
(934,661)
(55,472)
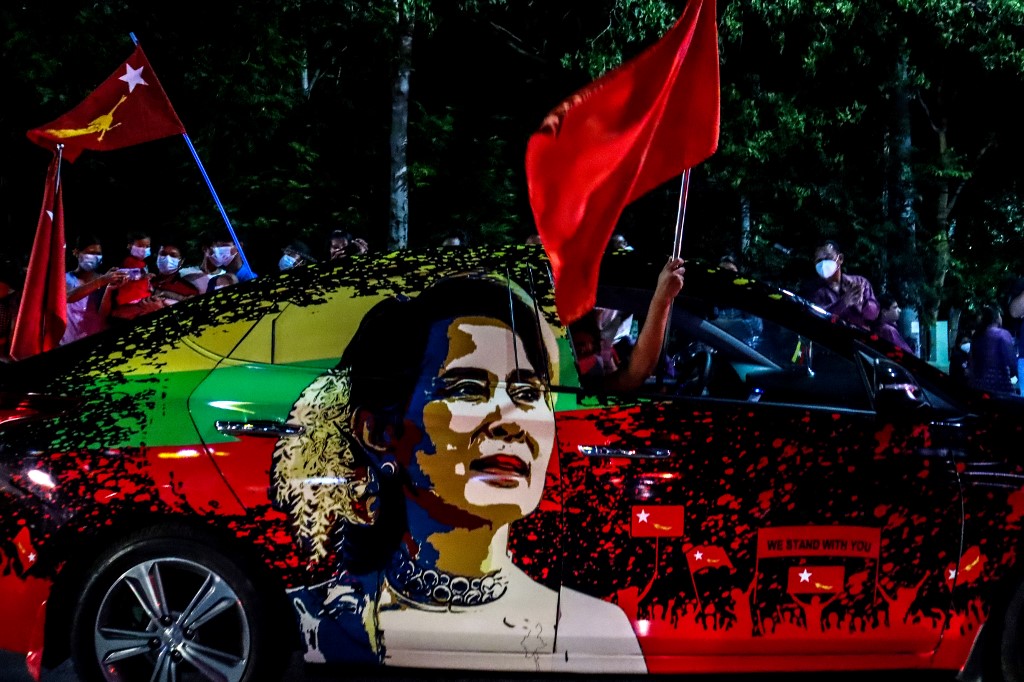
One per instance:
(634,453)
(259,428)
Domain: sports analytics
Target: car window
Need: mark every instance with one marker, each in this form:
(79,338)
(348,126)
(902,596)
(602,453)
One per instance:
(734,353)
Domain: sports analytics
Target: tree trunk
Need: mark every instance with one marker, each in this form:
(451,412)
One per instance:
(398,237)
(903,197)
(745,225)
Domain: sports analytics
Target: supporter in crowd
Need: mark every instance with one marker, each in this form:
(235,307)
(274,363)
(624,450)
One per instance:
(533,239)
(295,254)
(168,283)
(219,256)
(728,262)
(136,286)
(849,297)
(343,244)
(455,238)
(618,243)
(993,364)
(888,318)
(90,294)
(135,296)
(1016,309)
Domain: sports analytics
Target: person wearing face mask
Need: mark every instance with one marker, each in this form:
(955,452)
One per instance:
(137,286)
(219,256)
(168,283)
(848,297)
(90,294)
(295,254)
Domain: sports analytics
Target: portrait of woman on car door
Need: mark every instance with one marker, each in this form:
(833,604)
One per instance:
(431,436)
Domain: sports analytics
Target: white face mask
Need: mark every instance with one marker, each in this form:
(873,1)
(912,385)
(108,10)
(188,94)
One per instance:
(965,347)
(286,262)
(826,268)
(141,252)
(167,264)
(88,261)
(222,255)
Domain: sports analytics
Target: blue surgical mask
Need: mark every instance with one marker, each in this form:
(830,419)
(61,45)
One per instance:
(141,252)
(222,255)
(88,261)
(167,264)
(286,262)
(826,268)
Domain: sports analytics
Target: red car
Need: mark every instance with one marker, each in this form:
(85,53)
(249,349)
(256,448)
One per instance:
(398,461)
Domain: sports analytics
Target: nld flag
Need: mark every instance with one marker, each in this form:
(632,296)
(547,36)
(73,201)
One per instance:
(128,108)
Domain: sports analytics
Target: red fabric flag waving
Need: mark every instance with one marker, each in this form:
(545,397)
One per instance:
(42,314)
(657,521)
(703,557)
(128,108)
(617,139)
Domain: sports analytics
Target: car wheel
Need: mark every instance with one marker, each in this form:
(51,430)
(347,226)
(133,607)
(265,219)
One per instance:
(170,608)
(1011,649)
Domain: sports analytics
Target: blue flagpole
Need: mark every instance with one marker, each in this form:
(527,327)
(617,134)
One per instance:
(213,192)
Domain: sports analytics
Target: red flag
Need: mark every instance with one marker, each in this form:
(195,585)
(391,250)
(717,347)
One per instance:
(703,557)
(657,521)
(128,108)
(815,579)
(43,312)
(617,139)
(968,570)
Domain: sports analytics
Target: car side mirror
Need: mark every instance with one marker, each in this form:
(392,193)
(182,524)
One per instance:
(896,392)
(899,397)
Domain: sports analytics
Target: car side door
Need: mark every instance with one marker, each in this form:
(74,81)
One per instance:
(771,510)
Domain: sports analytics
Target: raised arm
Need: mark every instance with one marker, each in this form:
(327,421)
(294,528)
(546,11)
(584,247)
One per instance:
(644,358)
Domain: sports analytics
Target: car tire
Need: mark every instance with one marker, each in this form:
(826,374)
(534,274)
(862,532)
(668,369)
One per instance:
(1011,644)
(169,607)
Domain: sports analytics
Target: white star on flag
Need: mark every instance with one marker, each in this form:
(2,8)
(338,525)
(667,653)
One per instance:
(133,77)
(698,555)
(642,516)
(805,576)
(952,574)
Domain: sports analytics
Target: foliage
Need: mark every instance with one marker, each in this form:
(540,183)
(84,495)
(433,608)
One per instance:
(288,103)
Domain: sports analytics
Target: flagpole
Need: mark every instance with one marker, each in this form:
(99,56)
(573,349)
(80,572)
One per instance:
(213,192)
(677,247)
(684,191)
(53,207)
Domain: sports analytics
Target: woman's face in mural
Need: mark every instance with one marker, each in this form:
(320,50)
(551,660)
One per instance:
(488,428)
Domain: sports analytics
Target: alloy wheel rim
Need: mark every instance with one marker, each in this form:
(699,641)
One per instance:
(171,620)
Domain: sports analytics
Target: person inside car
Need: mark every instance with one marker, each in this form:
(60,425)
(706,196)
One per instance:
(600,370)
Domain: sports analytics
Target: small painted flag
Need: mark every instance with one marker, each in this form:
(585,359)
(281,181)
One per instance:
(969,569)
(815,579)
(703,557)
(657,521)
(26,552)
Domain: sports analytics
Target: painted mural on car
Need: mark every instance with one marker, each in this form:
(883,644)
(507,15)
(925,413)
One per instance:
(437,483)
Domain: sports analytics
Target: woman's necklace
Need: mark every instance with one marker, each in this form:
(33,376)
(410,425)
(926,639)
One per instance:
(432,586)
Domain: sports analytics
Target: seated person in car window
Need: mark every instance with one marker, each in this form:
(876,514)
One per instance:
(602,371)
